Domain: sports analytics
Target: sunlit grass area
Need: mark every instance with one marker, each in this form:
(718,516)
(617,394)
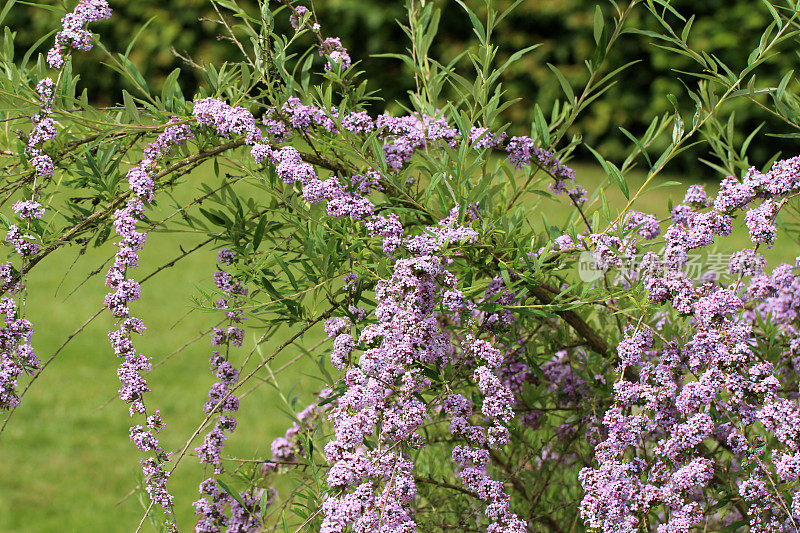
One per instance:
(66,463)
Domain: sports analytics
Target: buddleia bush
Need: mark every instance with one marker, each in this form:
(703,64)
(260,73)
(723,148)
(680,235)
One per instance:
(484,366)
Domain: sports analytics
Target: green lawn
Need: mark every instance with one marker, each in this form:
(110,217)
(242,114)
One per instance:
(65,458)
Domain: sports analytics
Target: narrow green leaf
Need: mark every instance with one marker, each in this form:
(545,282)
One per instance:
(599,24)
(564,83)
(620,179)
(286,271)
(259,232)
(234,495)
(138,34)
(6,9)
(170,84)
(772,11)
(476,23)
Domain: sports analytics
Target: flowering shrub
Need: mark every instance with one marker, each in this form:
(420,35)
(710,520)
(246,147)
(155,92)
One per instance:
(470,377)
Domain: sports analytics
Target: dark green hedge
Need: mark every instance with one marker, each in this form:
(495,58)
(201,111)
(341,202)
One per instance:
(728,29)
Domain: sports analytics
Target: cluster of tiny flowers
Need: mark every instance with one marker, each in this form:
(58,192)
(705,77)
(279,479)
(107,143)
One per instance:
(523,152)
(297,16)
(746,262)
(210,514)
(498,376)
(288,162)
(28,209)
(563,380)
(124,290)
(617,246)
(17,356)
(374,487)
(44,129)
(406,135)
(342,201)
(287,449)
(383,385)
(22,243)
(140,177)
(773,187)
(155,475)
(219,511)
(73,33)
(734,393)
(482,138)
(336,53)
(226,120)
(473,458)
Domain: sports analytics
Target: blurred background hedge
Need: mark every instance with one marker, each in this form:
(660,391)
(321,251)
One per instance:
(728,29)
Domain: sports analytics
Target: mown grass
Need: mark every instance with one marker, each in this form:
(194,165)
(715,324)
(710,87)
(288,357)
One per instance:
(66,463)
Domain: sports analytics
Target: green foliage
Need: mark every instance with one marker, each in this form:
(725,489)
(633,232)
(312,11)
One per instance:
(566,31)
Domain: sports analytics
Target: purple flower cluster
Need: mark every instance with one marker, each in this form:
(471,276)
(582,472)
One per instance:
(28,209)
(17,356)
(288,448)
(22,243)
(226,120)
(713,384)
(73,32)
(384,385)
(483,139)
(211,514)
(746,262)
(219,511)
(381,401)
(336,53)
(140,177)
(646,225)
(220,397)
(781,181)
(44,129)
(297,16)
(497,409)
(288,162)
(304,117)
(124,290)
(156,477)
(406,135)
(523,152)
